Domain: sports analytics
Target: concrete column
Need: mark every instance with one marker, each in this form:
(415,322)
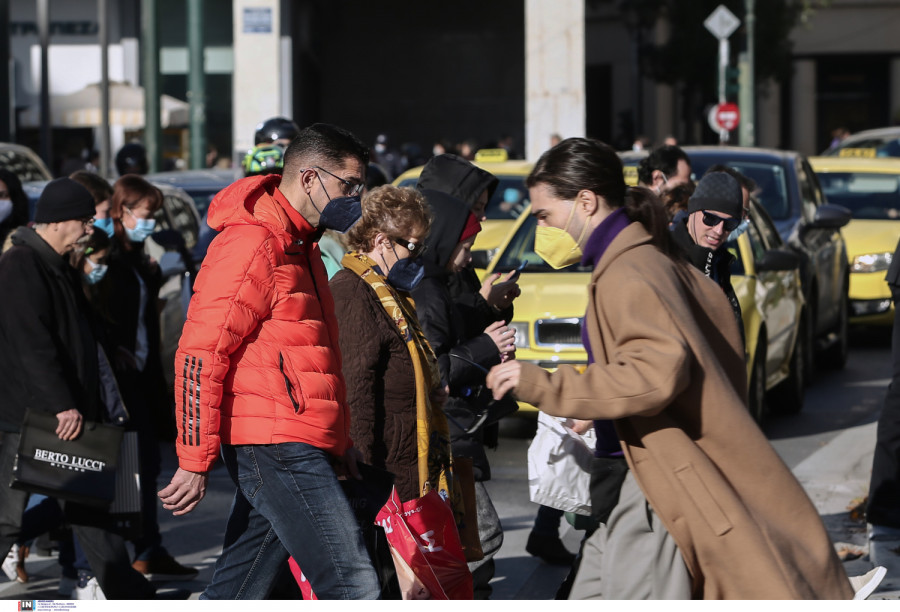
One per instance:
(257,79)
(554,72)
(768,116)
(895,91)
(803,107)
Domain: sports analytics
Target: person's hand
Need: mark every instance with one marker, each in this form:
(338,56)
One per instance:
(500,293)
(347,466)
(70,423)
(580,426)
(504,378)
(439,396)
(504,337)
(184,491)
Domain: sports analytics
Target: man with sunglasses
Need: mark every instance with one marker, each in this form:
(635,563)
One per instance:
(715,209)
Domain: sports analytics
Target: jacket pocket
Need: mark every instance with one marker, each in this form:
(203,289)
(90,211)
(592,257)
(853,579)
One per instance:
(290,387)
(696,489)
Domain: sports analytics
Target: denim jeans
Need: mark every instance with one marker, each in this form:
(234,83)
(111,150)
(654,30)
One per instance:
(288,502)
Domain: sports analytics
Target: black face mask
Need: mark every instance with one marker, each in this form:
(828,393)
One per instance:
(340,214)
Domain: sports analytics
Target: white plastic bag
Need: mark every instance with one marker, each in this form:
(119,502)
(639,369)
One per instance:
(559,463)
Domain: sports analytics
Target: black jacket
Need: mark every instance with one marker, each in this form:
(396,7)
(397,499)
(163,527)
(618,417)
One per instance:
(144,392)
(443,324)
(48,360)
(716,264)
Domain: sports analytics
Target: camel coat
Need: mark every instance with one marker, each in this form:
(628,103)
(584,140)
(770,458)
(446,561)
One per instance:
(669,369)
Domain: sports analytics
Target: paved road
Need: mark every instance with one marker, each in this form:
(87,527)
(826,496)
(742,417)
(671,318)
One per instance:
(828,445)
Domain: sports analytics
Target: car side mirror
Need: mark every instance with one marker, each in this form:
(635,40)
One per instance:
(778,260)
(831,216)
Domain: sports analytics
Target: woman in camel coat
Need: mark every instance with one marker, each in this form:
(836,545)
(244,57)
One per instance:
(668,371)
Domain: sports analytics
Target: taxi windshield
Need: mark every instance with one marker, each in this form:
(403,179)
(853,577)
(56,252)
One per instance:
(867,195)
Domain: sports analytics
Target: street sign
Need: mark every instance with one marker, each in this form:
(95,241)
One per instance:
(728,116)
(722,22)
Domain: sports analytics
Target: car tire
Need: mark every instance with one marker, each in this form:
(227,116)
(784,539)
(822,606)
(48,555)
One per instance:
(756,396)
(835,356)
(788,395)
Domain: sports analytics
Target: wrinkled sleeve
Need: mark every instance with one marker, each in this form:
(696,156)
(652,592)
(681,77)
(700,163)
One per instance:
(29,315)
(649,363)
(233,292)
(360,350)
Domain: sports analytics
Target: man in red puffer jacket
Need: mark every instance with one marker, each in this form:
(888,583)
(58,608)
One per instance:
(258,377)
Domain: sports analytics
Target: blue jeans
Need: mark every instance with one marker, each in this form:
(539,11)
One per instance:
(289,503)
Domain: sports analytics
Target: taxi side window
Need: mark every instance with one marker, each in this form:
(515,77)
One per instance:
(756,242)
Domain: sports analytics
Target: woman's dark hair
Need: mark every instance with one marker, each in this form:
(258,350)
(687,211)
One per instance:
(19,214)
(576,164)
(98,186)
(129,191)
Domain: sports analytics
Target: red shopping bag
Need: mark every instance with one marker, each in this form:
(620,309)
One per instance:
(426,549)
(302,582)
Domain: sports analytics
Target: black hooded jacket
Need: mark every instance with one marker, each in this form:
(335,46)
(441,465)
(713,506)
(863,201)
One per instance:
(443,324)
(715,264)
(460,178)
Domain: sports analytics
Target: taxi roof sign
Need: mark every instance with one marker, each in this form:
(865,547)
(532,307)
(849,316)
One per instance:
(491,155)
(854,152)
(631,175)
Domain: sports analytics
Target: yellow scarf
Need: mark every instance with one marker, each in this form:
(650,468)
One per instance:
(433,434)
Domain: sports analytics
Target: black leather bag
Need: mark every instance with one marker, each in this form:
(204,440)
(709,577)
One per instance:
(81,470)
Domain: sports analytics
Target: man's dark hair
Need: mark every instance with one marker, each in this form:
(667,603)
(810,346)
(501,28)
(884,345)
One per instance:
(665,159)
(323,143)
(746,182)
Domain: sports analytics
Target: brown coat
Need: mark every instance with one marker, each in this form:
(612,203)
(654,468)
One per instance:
(670,370)
(381,384)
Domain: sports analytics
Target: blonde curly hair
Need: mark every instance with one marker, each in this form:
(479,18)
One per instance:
(398,212)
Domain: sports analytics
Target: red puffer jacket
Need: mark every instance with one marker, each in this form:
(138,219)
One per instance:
(259,360)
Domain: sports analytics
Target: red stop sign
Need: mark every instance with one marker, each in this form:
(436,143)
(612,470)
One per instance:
(728,115)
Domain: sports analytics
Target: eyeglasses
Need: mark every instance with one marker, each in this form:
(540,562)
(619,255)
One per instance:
(415,250)
(87,222)
(712,220)
(349,187)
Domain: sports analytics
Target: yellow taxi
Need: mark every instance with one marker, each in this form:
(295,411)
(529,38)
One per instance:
(507,203)
(870,188)
(550,311)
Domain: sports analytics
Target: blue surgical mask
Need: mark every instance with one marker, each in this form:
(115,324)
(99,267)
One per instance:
(142,229)
(98,271)
(106,225)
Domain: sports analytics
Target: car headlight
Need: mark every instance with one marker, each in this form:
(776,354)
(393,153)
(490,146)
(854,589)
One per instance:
(871,262)
(521,334)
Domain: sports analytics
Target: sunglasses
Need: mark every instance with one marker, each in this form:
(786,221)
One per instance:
(415,250)
(712,220)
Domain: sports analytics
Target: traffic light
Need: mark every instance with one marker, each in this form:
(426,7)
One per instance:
(732,85)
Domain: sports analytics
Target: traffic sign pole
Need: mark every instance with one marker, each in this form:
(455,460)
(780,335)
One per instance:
(722,23)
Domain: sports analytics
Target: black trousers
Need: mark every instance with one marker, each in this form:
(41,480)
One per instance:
(104,548)
(884,488)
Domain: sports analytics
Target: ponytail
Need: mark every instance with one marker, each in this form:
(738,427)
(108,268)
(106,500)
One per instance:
(643,206)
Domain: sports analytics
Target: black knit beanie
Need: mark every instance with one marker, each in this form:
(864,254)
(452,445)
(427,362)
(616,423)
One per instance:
(64,200)
(720,192)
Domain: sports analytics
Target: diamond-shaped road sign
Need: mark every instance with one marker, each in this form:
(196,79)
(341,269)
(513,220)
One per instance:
(722,22)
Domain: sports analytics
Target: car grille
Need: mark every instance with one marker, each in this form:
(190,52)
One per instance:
(558,332)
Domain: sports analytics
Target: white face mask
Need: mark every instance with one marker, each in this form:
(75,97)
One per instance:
(5,210)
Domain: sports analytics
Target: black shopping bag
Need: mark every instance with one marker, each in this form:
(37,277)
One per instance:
(81,470)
